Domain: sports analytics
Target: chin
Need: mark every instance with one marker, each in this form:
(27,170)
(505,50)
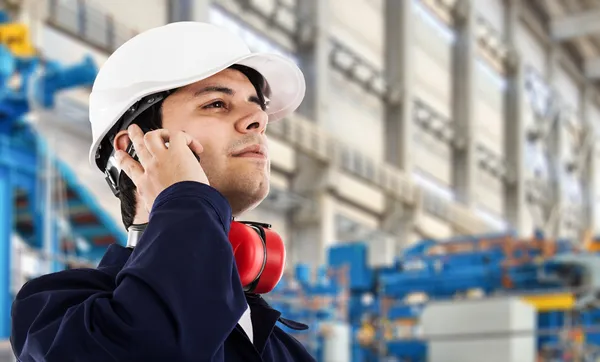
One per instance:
(255,198)
(247,196)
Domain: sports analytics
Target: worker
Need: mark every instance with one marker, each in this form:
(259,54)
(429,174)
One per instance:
(178,116)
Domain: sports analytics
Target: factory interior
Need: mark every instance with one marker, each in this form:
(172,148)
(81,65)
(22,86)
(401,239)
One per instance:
(438,190)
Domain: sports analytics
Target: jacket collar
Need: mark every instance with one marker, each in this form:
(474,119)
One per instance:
(264,319)
(256,302)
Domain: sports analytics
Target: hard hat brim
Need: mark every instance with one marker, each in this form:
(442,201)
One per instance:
(285,80)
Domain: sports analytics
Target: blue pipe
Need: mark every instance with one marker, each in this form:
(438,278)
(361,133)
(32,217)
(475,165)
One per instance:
(58,78)
(6,206)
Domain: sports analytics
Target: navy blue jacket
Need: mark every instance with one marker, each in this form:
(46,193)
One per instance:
(176,297)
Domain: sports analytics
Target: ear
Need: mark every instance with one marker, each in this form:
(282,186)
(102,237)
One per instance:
(121,141)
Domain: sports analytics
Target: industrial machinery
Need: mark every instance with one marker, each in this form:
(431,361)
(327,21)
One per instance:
(550,282)
(318,301)
(31,177)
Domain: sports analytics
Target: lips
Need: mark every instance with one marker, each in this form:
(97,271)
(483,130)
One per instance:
(255,151)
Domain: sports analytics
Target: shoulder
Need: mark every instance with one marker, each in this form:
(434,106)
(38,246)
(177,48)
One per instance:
(100,278)
(73,279)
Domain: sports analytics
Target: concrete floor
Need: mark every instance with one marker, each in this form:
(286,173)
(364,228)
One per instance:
(6,354)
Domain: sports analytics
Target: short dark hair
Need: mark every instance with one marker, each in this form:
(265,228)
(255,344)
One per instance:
(152,119)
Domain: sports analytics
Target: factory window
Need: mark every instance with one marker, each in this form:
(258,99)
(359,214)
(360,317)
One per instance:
(434,22)
(493,219)
(429,183)
(493,75)
(348,229)
(536,160)
(538,92)
(256,42)
(572,188)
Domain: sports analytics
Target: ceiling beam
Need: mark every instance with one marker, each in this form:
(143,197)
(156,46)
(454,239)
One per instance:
(592,68)
(576,25)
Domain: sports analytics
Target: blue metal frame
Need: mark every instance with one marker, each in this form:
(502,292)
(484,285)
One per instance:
(6,224)
(17,158)
(89,200)
(21,168)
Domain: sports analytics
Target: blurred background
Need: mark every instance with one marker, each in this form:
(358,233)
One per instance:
(438,191)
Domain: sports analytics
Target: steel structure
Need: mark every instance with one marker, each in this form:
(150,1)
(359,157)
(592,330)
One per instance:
(32,180)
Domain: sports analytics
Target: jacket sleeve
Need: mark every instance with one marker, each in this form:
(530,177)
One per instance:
(177,298)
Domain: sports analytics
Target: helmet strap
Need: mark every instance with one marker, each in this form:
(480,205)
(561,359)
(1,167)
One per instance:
(112,170)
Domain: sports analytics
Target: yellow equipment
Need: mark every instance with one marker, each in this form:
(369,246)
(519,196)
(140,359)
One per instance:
(16,38)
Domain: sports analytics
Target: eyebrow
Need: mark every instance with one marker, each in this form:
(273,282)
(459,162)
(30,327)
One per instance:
(228,91)
(211,89)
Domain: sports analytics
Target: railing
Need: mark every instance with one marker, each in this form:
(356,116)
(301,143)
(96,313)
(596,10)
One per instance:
(281,16)
(430,121)
(358,70)
(89,23)
(492,163)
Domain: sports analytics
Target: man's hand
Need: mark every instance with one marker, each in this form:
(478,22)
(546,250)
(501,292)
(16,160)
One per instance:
(161,166)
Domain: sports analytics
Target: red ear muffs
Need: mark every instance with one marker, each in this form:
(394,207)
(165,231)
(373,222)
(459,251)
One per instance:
(259,255)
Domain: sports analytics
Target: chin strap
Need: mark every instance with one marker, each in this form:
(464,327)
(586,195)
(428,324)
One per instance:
(134,234)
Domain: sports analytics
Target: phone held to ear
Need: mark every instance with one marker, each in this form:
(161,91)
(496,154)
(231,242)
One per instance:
(131,150)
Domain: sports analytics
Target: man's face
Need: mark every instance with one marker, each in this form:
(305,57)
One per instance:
(224,114)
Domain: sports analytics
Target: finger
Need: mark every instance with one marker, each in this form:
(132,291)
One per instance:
(193,144)
(137,138)
(131,167)
(155,141)
(184,142)
(178,141)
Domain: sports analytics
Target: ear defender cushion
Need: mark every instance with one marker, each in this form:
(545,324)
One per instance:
(248,250)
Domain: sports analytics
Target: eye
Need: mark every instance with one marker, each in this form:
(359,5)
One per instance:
(215,104)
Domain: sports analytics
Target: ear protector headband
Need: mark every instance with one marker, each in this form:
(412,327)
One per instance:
(259,253)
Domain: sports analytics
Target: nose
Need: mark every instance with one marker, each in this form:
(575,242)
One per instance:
(254,121)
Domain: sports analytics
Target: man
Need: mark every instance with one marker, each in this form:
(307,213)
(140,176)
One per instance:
(175,294)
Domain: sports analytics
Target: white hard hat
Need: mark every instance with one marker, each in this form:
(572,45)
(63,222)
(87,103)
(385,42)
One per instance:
(178,54)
